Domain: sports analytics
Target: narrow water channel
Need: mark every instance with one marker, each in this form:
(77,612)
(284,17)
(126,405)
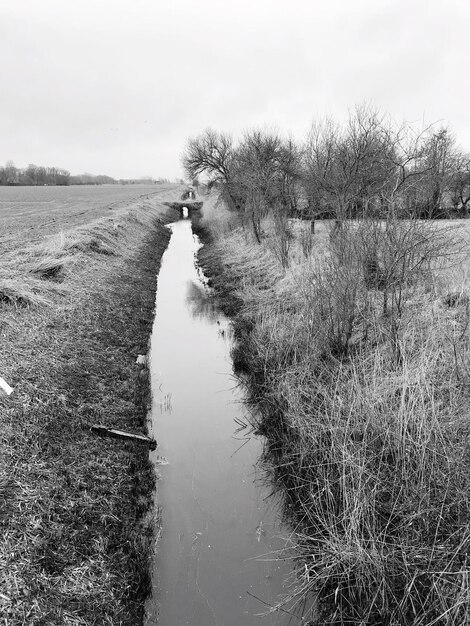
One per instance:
(217,561)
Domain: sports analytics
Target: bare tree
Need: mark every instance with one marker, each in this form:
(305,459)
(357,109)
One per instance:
(31,174)
(438,159)
(267,170)
(408,170)
(345,168)
(317,164)
(257,170)
(10,173)
(459,183)
(290,174)
(211,155)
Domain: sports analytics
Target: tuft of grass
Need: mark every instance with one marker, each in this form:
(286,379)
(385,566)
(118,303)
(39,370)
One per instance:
(16,292)
(50,267)
(96,241)
(456,298)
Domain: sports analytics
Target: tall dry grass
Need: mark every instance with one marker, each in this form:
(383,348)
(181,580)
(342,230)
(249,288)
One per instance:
(358,373)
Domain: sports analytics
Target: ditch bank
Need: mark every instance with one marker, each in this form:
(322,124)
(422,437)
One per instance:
(73,505)
(368,452)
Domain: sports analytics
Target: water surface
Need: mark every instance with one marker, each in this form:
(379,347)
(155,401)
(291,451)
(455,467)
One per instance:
(217,558)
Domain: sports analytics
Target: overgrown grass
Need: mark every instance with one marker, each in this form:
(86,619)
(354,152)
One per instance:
(75,540)
(364,406)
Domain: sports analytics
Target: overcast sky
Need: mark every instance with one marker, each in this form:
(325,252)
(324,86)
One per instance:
(117,86)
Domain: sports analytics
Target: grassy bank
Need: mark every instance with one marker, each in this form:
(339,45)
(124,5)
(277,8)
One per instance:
(75,312)
(357,357)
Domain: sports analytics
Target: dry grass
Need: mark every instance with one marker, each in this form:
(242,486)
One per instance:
(366,422)
(74,548)
(50,268)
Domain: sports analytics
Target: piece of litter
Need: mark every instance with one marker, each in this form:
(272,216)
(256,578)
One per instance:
(161,460)
(6,387)
(141,359)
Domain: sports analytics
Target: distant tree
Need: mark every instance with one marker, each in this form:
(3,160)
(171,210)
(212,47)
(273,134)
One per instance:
(408,170)
(289,176)
(62,177)
(41,174)
(459,183)
(90,179)
(318,156)
(10,173)
(211,155)
(437,161)
(31,174)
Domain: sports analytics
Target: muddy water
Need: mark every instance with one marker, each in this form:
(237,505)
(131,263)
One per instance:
(217,560)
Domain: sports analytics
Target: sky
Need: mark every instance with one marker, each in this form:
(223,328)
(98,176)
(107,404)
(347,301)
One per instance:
(117,86)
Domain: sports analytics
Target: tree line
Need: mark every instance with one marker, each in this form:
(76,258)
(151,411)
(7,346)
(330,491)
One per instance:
(40,175)
(367,166)
(33,175)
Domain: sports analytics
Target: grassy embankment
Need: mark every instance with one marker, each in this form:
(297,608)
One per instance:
(74,314)
(357,358)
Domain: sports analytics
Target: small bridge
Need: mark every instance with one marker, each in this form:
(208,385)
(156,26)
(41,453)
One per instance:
(190,205)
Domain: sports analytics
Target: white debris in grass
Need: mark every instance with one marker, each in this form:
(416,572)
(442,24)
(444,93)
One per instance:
(4,386)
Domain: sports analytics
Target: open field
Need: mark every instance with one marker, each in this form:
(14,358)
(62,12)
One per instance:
(357,359)
(28,214)
(75,312)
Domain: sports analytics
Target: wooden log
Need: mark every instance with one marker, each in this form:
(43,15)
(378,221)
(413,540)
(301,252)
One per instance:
(122,434)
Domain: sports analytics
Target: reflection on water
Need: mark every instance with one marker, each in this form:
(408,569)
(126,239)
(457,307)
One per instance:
(218,555)
(201,302)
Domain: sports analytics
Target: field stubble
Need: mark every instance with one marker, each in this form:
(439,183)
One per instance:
(359,379)
(31,214)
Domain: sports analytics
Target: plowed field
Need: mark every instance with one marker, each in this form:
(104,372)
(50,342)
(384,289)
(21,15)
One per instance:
(29,214)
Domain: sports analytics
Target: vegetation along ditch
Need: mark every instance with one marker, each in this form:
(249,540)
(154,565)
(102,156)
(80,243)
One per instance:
(365,418)
(75,313)
(351,304)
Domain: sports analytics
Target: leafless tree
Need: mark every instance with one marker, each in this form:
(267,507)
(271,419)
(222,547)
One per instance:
(211,155)
(345,168)
(438,159)
(10,173)
(256,174)
(459,184)
(267,174)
